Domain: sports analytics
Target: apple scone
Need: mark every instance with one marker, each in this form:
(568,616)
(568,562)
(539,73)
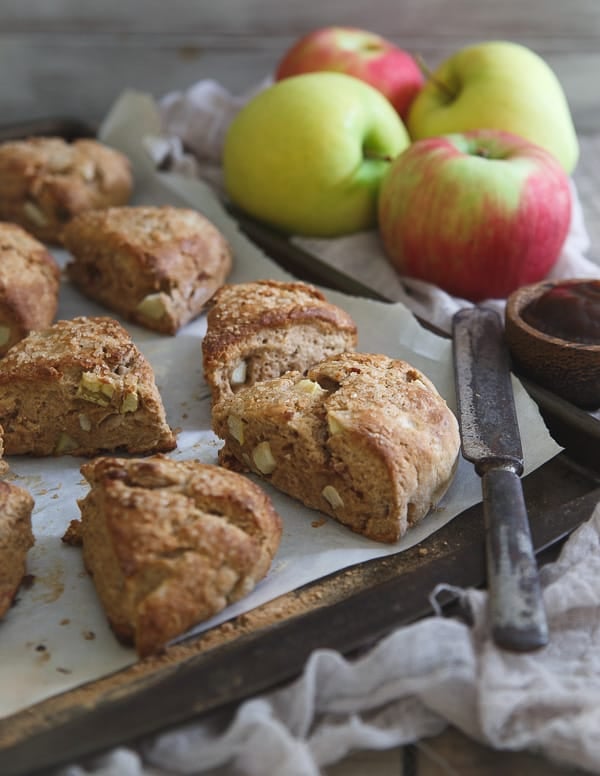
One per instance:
(80,387)
(45,181)
(29,285)
(156,266)
(16,538)
(365,438)
(171,543)
(259,330)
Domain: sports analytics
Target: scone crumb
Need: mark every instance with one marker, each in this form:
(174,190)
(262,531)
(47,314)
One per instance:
(72,535)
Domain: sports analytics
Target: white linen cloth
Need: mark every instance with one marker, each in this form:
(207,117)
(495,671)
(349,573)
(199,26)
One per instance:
(196,121)
(410,686)
(422,677)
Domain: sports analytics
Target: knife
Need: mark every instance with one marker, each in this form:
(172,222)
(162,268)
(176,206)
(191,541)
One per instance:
(491,441)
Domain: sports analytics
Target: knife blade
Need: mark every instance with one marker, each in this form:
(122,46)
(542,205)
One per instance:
(490,439)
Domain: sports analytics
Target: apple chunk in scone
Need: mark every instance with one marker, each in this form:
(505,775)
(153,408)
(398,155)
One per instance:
(364,438)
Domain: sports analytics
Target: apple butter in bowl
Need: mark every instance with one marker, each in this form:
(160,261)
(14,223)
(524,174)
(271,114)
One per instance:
(553,332)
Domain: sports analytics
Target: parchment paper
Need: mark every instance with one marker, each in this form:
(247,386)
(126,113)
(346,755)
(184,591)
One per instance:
(56,636)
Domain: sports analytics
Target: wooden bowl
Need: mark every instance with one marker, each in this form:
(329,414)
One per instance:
(567,368)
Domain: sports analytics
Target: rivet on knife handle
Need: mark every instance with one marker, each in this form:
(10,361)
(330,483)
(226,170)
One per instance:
(491,441)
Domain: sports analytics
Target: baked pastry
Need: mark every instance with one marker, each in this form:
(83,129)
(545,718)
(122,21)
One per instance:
(80,387)
(29,285)
(45,181)
(16,537)
(257,331)
(171,543)
(3,465)
(156,266)
(365,438)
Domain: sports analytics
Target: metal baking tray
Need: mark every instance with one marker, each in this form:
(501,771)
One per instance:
(270,644)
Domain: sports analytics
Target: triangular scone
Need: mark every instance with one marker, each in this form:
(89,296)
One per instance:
(29,285)
(364,438)
(3,464)
(156,266)
(80,387)
(16,537)
(48,180)
(259,330)
(171,543)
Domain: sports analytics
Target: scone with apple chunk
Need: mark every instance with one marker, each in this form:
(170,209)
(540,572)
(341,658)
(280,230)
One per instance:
(16,538)
(365,438)
(80,387)
(259,330)
(46,181)
(171,543)
(29,285)
(156,266)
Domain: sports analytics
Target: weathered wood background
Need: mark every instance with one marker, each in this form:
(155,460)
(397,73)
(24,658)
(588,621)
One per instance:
(74,56)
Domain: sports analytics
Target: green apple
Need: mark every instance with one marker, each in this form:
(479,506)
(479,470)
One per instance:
(307,155)
(497,85)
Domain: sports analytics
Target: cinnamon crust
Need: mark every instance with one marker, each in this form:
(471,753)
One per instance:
(46,181)
(259,330)
(361,437)
(29,285)
(16,538)
(171,543)
(80,387)
(156,266)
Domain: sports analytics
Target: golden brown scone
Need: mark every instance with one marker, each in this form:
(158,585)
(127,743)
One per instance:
(3,465)
(171,543)
(80,387)
(45,181)
(257,331)
(29,285)
(157,266)
(362,437)
(16,537)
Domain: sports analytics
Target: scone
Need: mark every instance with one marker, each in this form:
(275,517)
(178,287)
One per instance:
(156,266)
(362,437)
(29,285)
(171,543)
(16,537)
(80,387)
(257,331)
(3,464)
(45,181)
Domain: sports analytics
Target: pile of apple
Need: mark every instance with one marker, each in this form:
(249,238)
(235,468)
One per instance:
(464,172)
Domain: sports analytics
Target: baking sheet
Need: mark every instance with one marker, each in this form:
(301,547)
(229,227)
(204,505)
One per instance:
(56,637)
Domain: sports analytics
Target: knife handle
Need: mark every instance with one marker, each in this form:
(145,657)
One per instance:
(515,599)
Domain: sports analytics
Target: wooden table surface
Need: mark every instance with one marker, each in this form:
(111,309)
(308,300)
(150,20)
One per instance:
(68,58)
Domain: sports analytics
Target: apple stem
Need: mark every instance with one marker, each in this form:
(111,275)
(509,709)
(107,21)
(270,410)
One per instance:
(377,156)
(429,74)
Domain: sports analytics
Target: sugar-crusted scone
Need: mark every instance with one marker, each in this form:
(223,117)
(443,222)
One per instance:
(259,330)
(16,538)
(362,437)
(45,181)
(171,543)
(80,387)
(29,285)
(157,266)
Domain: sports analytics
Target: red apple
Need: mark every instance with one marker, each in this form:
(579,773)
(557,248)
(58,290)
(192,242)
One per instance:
(362,54)
(478,214)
